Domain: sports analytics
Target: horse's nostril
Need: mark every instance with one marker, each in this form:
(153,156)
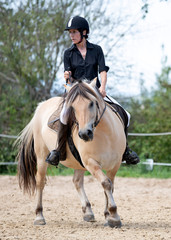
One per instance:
(89,132)
(86,136)
(79,134)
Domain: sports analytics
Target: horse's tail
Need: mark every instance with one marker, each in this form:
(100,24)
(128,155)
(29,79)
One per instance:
(27,161)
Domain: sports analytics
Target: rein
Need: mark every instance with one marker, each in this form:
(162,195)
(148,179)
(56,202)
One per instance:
(97,121)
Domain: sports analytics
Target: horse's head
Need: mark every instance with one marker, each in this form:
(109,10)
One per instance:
(87,104)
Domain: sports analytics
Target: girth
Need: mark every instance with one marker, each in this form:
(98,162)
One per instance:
(74,150)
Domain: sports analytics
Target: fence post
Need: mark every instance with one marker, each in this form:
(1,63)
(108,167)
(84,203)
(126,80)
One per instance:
(149,165)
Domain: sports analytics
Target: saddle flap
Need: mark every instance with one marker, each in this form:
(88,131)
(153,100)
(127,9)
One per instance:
(53,121)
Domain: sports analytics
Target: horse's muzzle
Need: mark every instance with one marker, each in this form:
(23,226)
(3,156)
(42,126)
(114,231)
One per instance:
(86,135)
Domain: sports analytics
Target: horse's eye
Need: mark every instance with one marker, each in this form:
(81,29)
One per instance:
(91,104)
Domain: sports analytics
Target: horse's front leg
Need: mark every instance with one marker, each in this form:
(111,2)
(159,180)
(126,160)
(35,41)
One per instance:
(111,174)
(78,180)
(40,183)
(112,218)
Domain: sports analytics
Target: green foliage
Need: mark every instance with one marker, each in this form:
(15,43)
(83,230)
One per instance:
(7,154)
(60,170)
(30,38)
(152,114)
(32,42)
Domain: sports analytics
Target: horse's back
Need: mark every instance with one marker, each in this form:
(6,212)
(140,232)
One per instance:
(41,118)
(47,107)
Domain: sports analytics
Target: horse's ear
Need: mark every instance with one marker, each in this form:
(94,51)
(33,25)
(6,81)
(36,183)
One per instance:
(67,87)
(93,83)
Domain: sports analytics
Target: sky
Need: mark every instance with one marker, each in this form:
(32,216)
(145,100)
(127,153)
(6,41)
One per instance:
(143,48)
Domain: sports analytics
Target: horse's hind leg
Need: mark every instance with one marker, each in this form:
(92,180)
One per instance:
(113,219)
(78,181)
(40,182)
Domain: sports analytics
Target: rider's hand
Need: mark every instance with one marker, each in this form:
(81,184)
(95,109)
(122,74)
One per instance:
(102,91)
(67,75)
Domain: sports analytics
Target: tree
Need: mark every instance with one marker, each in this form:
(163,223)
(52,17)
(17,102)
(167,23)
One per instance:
(32,42)
(152,114)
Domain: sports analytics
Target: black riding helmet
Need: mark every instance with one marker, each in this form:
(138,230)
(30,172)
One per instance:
(80,24)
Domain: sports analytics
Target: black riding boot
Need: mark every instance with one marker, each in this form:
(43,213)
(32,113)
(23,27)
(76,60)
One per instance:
(53,158)
(130,156)
(59,154)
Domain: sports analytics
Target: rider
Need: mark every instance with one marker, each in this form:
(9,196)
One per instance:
(83,60)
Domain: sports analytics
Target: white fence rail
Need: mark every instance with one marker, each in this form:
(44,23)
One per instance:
(149,134)
(8,163)
(130,134)
(8,136)
(150,163)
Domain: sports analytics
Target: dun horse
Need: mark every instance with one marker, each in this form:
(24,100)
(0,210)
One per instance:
(98,135)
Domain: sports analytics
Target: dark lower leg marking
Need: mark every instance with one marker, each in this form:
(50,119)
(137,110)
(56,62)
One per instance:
(107,184)
(87,205)
(39,209)
(113,210)
(106,213)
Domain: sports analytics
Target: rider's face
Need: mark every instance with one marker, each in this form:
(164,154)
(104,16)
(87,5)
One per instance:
(75,35)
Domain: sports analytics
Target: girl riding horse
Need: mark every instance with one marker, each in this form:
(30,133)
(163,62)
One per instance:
(83,60)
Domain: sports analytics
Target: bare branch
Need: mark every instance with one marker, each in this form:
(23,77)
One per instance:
(5,77)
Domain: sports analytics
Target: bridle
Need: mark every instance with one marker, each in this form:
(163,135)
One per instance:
(97,120)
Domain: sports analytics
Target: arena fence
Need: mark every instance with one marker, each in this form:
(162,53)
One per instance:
(149,162)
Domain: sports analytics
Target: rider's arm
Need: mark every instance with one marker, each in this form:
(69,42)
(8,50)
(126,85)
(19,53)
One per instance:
(103,69)
(102,89)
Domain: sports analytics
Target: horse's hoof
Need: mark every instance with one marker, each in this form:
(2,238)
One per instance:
(111,222)
(89,218)
(39,222)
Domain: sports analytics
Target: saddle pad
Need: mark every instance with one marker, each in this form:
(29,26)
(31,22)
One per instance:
(53,121)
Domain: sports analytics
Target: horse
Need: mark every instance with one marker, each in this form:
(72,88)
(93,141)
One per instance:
(98,135)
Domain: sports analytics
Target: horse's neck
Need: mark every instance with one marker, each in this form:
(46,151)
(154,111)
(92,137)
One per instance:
(110,121)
